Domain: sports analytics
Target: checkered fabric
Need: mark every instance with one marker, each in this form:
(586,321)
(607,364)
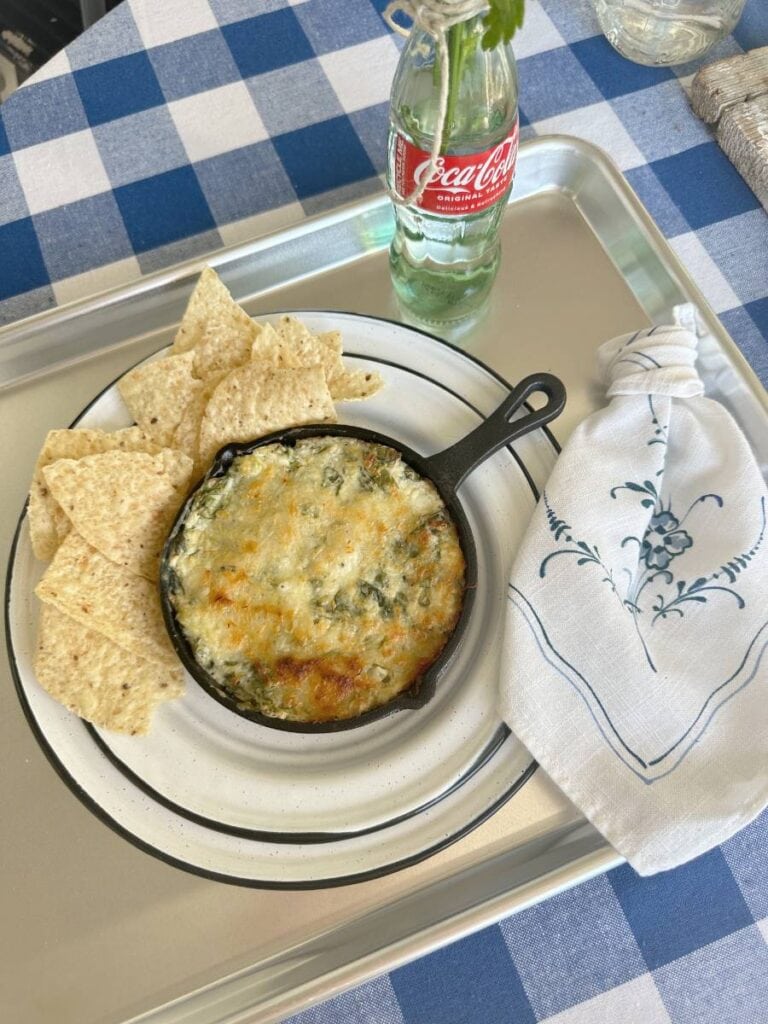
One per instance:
(684,947)
(177,126)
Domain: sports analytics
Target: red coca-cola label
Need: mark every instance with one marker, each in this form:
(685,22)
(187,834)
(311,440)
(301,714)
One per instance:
(459,184)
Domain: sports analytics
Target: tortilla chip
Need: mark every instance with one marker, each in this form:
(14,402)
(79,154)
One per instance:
(215,327)
(187,432)
(292,345)
(301,348)
(123,503)
(61,522)
(349,385)
(157,393)
(355,385)
(225,344)
(331,340)
(210,295)
(48,525)
(101,596)
(253,401)
(269,347)
(186,437)
(98,680)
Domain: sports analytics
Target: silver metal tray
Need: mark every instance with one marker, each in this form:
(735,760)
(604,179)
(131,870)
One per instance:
(92,930)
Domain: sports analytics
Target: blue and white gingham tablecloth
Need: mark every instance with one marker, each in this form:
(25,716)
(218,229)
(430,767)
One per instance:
(176,126)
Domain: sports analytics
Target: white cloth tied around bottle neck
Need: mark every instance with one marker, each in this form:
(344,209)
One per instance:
(634,664)
(435,17)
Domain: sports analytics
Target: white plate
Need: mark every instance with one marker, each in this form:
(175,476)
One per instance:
(218,794)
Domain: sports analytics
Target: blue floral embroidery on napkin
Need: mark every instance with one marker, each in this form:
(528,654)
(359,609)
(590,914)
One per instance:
(663,541)
(662,544)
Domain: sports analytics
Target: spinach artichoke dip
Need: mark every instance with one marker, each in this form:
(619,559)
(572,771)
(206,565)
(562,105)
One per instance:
(316,581)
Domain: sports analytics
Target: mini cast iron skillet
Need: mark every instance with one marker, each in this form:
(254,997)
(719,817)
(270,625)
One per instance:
(446,470)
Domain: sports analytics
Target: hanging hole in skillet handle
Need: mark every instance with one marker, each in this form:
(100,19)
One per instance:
(450,466)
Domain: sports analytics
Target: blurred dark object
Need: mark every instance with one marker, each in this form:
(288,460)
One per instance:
(33,31)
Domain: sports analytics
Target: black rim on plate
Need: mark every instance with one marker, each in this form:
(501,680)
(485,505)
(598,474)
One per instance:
(314,837)
(104,816)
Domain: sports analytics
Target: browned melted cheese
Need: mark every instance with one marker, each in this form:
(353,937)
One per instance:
(318,581)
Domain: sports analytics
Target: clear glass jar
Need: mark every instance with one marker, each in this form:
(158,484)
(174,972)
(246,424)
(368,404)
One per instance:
(666,31)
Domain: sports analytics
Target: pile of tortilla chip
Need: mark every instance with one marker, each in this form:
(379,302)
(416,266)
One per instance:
(229,378)
(101,504)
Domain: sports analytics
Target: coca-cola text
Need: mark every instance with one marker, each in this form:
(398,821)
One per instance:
(458,184)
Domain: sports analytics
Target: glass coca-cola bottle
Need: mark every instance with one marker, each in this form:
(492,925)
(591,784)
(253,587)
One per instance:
(445,253)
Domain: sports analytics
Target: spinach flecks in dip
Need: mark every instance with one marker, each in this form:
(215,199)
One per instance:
(316,581)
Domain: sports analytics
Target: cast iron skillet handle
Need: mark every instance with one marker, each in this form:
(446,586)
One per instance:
(450,466)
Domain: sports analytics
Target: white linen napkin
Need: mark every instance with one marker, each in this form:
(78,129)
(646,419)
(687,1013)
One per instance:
(634,651)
